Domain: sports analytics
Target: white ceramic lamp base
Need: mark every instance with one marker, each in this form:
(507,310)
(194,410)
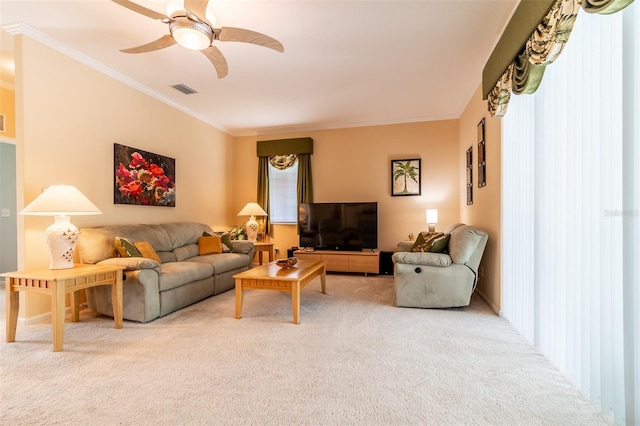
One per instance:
(252,227)
(61,238)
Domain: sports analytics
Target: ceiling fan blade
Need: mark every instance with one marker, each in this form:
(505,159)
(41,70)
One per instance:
(217,59)
(247,36)
(161,43)
(142,10)
(198,8)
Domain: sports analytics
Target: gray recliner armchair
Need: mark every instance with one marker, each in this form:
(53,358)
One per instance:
(439,280)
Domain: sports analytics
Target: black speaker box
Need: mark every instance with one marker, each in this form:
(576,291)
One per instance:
(386,263)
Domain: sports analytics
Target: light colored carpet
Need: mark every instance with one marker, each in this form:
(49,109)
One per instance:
(355,359)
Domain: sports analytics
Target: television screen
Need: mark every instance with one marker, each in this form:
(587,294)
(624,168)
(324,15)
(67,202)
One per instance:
(338,226)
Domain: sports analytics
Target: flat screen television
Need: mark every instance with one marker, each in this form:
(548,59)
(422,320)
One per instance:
(338,226)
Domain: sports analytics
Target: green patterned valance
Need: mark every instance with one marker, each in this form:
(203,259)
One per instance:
(284,147)
(545,43)
(605,7)
(523,22)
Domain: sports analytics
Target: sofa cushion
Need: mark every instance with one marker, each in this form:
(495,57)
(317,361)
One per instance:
(222,262)
(153,234)
(209,245)
(425,240)
(146,250)
(183,233)
(96,244)
(185,252)
(126,248)
(176,274)
(464,241)
(167,256)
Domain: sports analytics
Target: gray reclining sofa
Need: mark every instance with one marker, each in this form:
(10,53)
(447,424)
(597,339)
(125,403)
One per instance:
(154,289)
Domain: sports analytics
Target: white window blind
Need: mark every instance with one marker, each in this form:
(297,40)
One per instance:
(283,194)
(571,212)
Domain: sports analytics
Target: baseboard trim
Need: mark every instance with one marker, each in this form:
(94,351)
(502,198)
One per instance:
(486,300)
(43,317)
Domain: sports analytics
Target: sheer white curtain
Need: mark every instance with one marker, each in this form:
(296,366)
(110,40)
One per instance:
(571,212)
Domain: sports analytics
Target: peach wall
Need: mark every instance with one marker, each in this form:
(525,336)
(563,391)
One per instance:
(485,211)
(70,116)
(354,164)
(7,107)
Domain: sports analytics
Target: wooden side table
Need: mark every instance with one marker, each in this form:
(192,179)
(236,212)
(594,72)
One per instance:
(268,247)
(57,283)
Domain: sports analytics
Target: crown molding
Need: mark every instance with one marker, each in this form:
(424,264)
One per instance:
(20,28)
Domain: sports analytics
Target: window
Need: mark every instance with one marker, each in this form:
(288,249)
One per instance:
(283,194)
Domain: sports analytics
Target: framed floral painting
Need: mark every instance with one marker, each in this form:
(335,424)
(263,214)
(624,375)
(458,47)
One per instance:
(143,178)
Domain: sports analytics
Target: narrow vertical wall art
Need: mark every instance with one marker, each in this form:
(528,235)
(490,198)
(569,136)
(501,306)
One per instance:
(482,164)
(469,165)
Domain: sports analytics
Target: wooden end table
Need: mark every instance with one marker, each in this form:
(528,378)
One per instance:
(57,283)
(268,247)
(272,277)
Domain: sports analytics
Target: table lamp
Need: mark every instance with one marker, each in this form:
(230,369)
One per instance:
(61,201)
(432,219)
(253,210)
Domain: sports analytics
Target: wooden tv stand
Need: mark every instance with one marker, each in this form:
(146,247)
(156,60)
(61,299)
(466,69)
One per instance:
(344,261)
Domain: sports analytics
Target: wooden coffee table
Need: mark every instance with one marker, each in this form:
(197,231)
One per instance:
(272,277)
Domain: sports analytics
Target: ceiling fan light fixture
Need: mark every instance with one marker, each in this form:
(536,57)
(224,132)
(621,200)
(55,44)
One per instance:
(192,35)
(176,7)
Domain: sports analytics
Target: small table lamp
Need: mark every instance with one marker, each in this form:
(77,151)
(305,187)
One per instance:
(432,219)
(253,210)
(61,201)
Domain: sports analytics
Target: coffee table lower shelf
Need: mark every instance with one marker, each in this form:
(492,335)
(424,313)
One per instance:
(272,277)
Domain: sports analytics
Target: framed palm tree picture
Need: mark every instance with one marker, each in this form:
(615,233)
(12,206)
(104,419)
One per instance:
(405,177)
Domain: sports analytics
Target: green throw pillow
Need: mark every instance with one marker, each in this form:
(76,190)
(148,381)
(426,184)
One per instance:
(440,244)
(425,240)
(227,245)
(126,248)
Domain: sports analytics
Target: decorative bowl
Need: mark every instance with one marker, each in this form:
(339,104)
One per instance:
(287,263)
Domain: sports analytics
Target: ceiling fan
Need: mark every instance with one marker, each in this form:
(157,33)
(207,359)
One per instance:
(191,26)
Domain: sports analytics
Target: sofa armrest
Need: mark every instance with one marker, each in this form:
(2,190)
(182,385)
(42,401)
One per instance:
(405,246)
(132,263)
(424,258)
(242,246)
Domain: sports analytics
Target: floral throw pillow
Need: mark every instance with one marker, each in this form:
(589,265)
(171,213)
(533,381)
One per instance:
(425,241)
(126,248)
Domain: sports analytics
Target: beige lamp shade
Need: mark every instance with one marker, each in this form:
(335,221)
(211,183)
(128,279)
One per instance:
(253,210)
(61,237)
(61,200)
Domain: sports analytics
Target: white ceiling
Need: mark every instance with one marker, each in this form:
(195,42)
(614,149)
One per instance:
(345,64)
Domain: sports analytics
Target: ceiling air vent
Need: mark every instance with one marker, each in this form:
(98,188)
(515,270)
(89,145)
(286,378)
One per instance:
(184,89)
